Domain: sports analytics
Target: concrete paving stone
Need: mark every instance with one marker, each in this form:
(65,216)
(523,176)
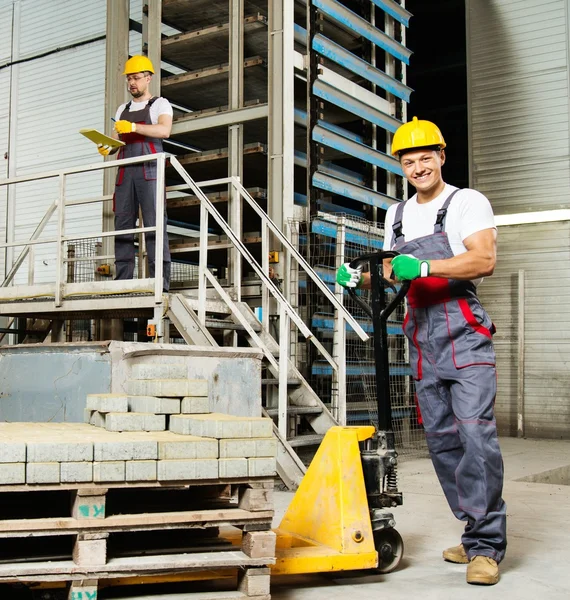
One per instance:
(106,403)
(12,473)
(193,448)
(42,472)
(12,452)
(152,404)
(195,405)
(248,448)
(76,472)
(233,467)
(159,371)
(262,467)
(218,425)
(135,422)
(60,451)
(140,470)
(167,388)
(109,471)
(178,470)
(97,419)
(125,450)
(87,415)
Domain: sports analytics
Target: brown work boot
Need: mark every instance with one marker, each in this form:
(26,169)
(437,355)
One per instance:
(456,555)
(482,570)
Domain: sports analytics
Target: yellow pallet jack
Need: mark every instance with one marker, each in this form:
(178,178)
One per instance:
(337,519)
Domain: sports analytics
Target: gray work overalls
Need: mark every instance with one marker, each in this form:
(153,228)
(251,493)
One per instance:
(136,186)
(453,363)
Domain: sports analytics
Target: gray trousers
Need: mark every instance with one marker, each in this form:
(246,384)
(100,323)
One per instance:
(457,408)
(135,191)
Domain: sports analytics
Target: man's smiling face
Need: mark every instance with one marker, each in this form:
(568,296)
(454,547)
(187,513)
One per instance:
(422,168)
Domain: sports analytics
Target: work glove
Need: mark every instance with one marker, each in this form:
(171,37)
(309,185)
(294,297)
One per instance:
(407,267)
(348,276)
(103,149)
(125,127)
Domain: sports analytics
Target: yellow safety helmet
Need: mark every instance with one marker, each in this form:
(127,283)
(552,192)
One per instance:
(416,134)
(138,64)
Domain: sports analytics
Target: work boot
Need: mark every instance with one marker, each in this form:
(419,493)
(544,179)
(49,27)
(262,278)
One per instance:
(456,555)
(482,570)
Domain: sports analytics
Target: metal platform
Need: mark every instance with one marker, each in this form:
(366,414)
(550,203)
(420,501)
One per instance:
(105,299)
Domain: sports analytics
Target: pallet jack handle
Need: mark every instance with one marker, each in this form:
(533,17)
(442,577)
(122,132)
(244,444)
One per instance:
(379,313)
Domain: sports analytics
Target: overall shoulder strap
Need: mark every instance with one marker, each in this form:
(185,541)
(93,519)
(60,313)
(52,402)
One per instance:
(397,225)
(442,213)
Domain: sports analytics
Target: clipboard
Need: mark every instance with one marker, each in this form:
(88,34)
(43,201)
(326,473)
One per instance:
(100,138)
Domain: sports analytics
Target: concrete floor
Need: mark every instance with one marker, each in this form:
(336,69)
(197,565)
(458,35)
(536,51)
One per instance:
(537,563)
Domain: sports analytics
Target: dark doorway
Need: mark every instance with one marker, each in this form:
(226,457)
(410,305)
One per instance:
(438,76)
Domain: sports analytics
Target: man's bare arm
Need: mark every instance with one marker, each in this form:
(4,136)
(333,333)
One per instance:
(478,261)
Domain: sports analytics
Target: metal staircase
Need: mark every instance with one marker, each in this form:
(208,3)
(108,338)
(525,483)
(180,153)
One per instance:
(283,111)
(198,314)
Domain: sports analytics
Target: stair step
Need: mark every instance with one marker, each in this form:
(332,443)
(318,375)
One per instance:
(225,324)
(297,410)
(274,381)
(313,439)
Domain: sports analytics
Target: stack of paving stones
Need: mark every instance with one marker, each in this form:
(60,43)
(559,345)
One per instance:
(160,430)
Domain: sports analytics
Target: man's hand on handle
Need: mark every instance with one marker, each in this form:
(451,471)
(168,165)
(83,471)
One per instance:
(349,277)
(407,267)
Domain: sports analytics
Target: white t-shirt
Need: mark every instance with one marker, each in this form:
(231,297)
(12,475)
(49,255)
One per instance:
(161,106)
(469,212)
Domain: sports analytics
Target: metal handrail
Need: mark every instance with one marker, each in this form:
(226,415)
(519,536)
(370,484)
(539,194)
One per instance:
(59,206)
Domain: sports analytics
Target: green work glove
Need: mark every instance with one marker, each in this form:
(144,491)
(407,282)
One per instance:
(349,277)
(407,267)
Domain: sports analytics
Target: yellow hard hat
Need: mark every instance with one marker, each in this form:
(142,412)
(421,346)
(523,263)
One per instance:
(138,64)
(416,134)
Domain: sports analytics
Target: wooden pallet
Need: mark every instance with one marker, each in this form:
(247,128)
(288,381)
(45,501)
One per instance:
(114,533)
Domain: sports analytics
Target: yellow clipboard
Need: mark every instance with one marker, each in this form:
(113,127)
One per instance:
(100,138)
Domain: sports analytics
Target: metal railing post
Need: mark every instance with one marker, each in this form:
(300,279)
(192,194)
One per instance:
(338,399)
(283,371)
(60,234)
(159,228)
(203,263)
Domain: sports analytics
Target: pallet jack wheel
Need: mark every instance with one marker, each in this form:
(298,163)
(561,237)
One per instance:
(390,547)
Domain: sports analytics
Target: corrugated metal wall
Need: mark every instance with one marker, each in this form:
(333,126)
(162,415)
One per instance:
(517,60)
(518,70)
(54,94)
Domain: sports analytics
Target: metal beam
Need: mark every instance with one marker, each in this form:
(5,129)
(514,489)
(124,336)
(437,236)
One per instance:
(352,191)
(116,55)
(355,105)
(219,119)
(152,38)
(352,148)
(354,22)
(394,10)
(235,133)
(353,63)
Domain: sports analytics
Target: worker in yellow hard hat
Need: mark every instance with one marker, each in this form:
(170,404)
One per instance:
(446,240)
(142,123)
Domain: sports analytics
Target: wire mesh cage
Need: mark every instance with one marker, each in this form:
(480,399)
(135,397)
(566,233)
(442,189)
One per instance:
(328,241)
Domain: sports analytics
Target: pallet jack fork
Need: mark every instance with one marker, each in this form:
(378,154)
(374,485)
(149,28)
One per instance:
(337,519)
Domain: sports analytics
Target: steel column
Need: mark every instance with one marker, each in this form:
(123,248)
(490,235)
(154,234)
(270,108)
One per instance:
(151,39)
